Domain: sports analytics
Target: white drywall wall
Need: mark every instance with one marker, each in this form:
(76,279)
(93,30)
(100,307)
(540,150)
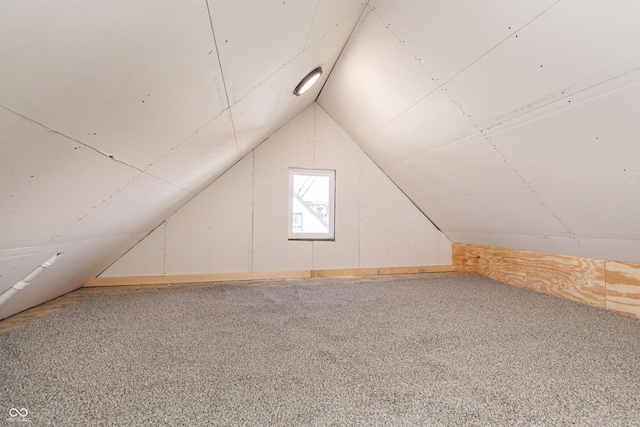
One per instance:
(239,223)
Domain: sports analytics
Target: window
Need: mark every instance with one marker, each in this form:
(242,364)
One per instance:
(311,204)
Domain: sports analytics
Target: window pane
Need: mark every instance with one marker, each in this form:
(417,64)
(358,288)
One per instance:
(311,204)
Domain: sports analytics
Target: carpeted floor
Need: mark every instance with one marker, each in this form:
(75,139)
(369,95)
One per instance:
(447,351)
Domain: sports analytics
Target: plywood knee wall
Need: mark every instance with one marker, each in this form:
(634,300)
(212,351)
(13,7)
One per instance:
(604,284)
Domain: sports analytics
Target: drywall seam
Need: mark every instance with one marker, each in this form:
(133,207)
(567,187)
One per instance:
(360,179)
(313,20)
(253,203)
(84,144)
(224,83)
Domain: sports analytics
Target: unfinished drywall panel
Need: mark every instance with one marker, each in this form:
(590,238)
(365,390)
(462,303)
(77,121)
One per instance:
(469,166)
(239,223)
(136,208)
(434,121)
(211,233)
(291,146)
(49,181)
(109,75)
(626,250)
(376,63)
(571,47)
(324,19)
(443,44)
(231,216)
(392,230)
(146,258)
(270,32)
(80,261)
(598,212)
(202,157)
(271,104)
(595,138)
(515,212)
(187,237)
(334,149)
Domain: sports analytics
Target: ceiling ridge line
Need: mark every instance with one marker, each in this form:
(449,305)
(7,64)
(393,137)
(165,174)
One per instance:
(304,49)
(362,16)
(224,82)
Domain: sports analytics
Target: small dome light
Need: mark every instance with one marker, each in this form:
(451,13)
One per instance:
(308,81)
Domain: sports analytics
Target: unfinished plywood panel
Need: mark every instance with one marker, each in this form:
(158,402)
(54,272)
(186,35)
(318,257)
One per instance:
(623,288)
(572,278)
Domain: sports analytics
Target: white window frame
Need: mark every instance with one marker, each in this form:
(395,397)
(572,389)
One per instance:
(330,235)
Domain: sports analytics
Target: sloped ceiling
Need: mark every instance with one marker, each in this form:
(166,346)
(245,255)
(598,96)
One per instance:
(115,113)
(508,123)
(511,124)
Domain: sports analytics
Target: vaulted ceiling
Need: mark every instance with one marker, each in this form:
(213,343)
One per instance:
(507,123)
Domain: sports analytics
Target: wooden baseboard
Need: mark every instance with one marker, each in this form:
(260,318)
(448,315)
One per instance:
(230,277)
(604,284)
(382,271)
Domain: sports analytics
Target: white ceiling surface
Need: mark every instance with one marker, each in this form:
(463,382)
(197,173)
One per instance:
(510,124)
(114,113)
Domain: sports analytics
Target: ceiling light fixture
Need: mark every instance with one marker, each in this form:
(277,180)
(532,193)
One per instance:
(308,81)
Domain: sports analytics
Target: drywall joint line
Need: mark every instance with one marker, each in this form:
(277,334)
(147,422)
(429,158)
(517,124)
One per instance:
(313,20)
(532,189)
(164,250)
(224,82)
(441,85)
(253,202)
(84,144)
(502,41)
(360,181)
(130,249)
(191,135)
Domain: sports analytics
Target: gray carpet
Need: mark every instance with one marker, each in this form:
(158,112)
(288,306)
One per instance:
(447,351)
